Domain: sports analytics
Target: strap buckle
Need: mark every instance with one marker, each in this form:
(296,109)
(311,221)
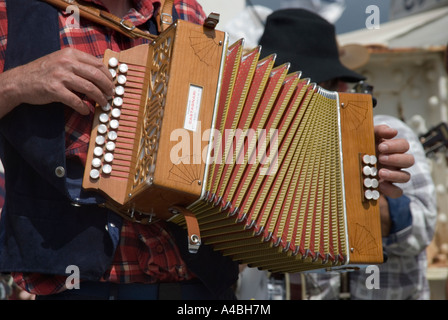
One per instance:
(166,18)
(124,25)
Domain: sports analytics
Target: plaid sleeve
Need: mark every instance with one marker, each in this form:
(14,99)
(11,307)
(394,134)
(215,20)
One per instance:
(190,10)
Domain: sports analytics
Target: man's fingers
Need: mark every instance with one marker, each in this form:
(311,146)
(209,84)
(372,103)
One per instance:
(394,176)
(390,190)
(396,160)
(393,146)
(73,101)
(81,85)
(96,76)
(59,77)
(89,76)
(92,61)
(383,131)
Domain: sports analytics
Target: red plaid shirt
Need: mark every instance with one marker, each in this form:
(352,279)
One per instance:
(146,254)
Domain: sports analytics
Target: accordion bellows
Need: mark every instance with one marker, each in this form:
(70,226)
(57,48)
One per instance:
(277,172)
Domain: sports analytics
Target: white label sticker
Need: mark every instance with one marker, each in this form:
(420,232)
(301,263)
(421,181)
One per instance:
(193,106)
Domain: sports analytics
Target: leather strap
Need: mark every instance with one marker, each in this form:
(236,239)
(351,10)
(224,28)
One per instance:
(164,16)
(194,234)
(104,18)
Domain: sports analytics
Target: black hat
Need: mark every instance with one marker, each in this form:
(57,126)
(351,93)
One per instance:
(308,42)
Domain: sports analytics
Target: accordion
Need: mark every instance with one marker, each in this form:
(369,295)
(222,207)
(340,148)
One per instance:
(262,164)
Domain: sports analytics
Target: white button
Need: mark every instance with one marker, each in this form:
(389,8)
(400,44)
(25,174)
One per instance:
(107,168)
(366,170)
(366,159)
(102,129)
(113,124)
(112,135)
(119,90)
(116,112)
(94,174)
(113,62)
(96,162)
(372,159)
(121,79)
(110,146)
(106,107)
(374,171)
(123,68)
(108,157)
(367,183)
(100,140)
(118,101)
(375,183)
(104,118)
(375,195)
(368,194)
(113,72)
(98,151)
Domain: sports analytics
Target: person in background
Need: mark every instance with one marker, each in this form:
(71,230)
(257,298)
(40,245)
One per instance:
(407,218)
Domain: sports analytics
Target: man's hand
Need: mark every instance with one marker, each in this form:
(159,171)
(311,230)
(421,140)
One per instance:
(391,160)
(57,77)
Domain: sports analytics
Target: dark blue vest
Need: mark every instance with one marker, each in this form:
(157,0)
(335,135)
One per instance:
(48,222)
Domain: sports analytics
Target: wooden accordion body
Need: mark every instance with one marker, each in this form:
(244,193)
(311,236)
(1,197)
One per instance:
(278,172)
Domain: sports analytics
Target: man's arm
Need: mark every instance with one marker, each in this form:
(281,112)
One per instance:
(57,77)
(409,220)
